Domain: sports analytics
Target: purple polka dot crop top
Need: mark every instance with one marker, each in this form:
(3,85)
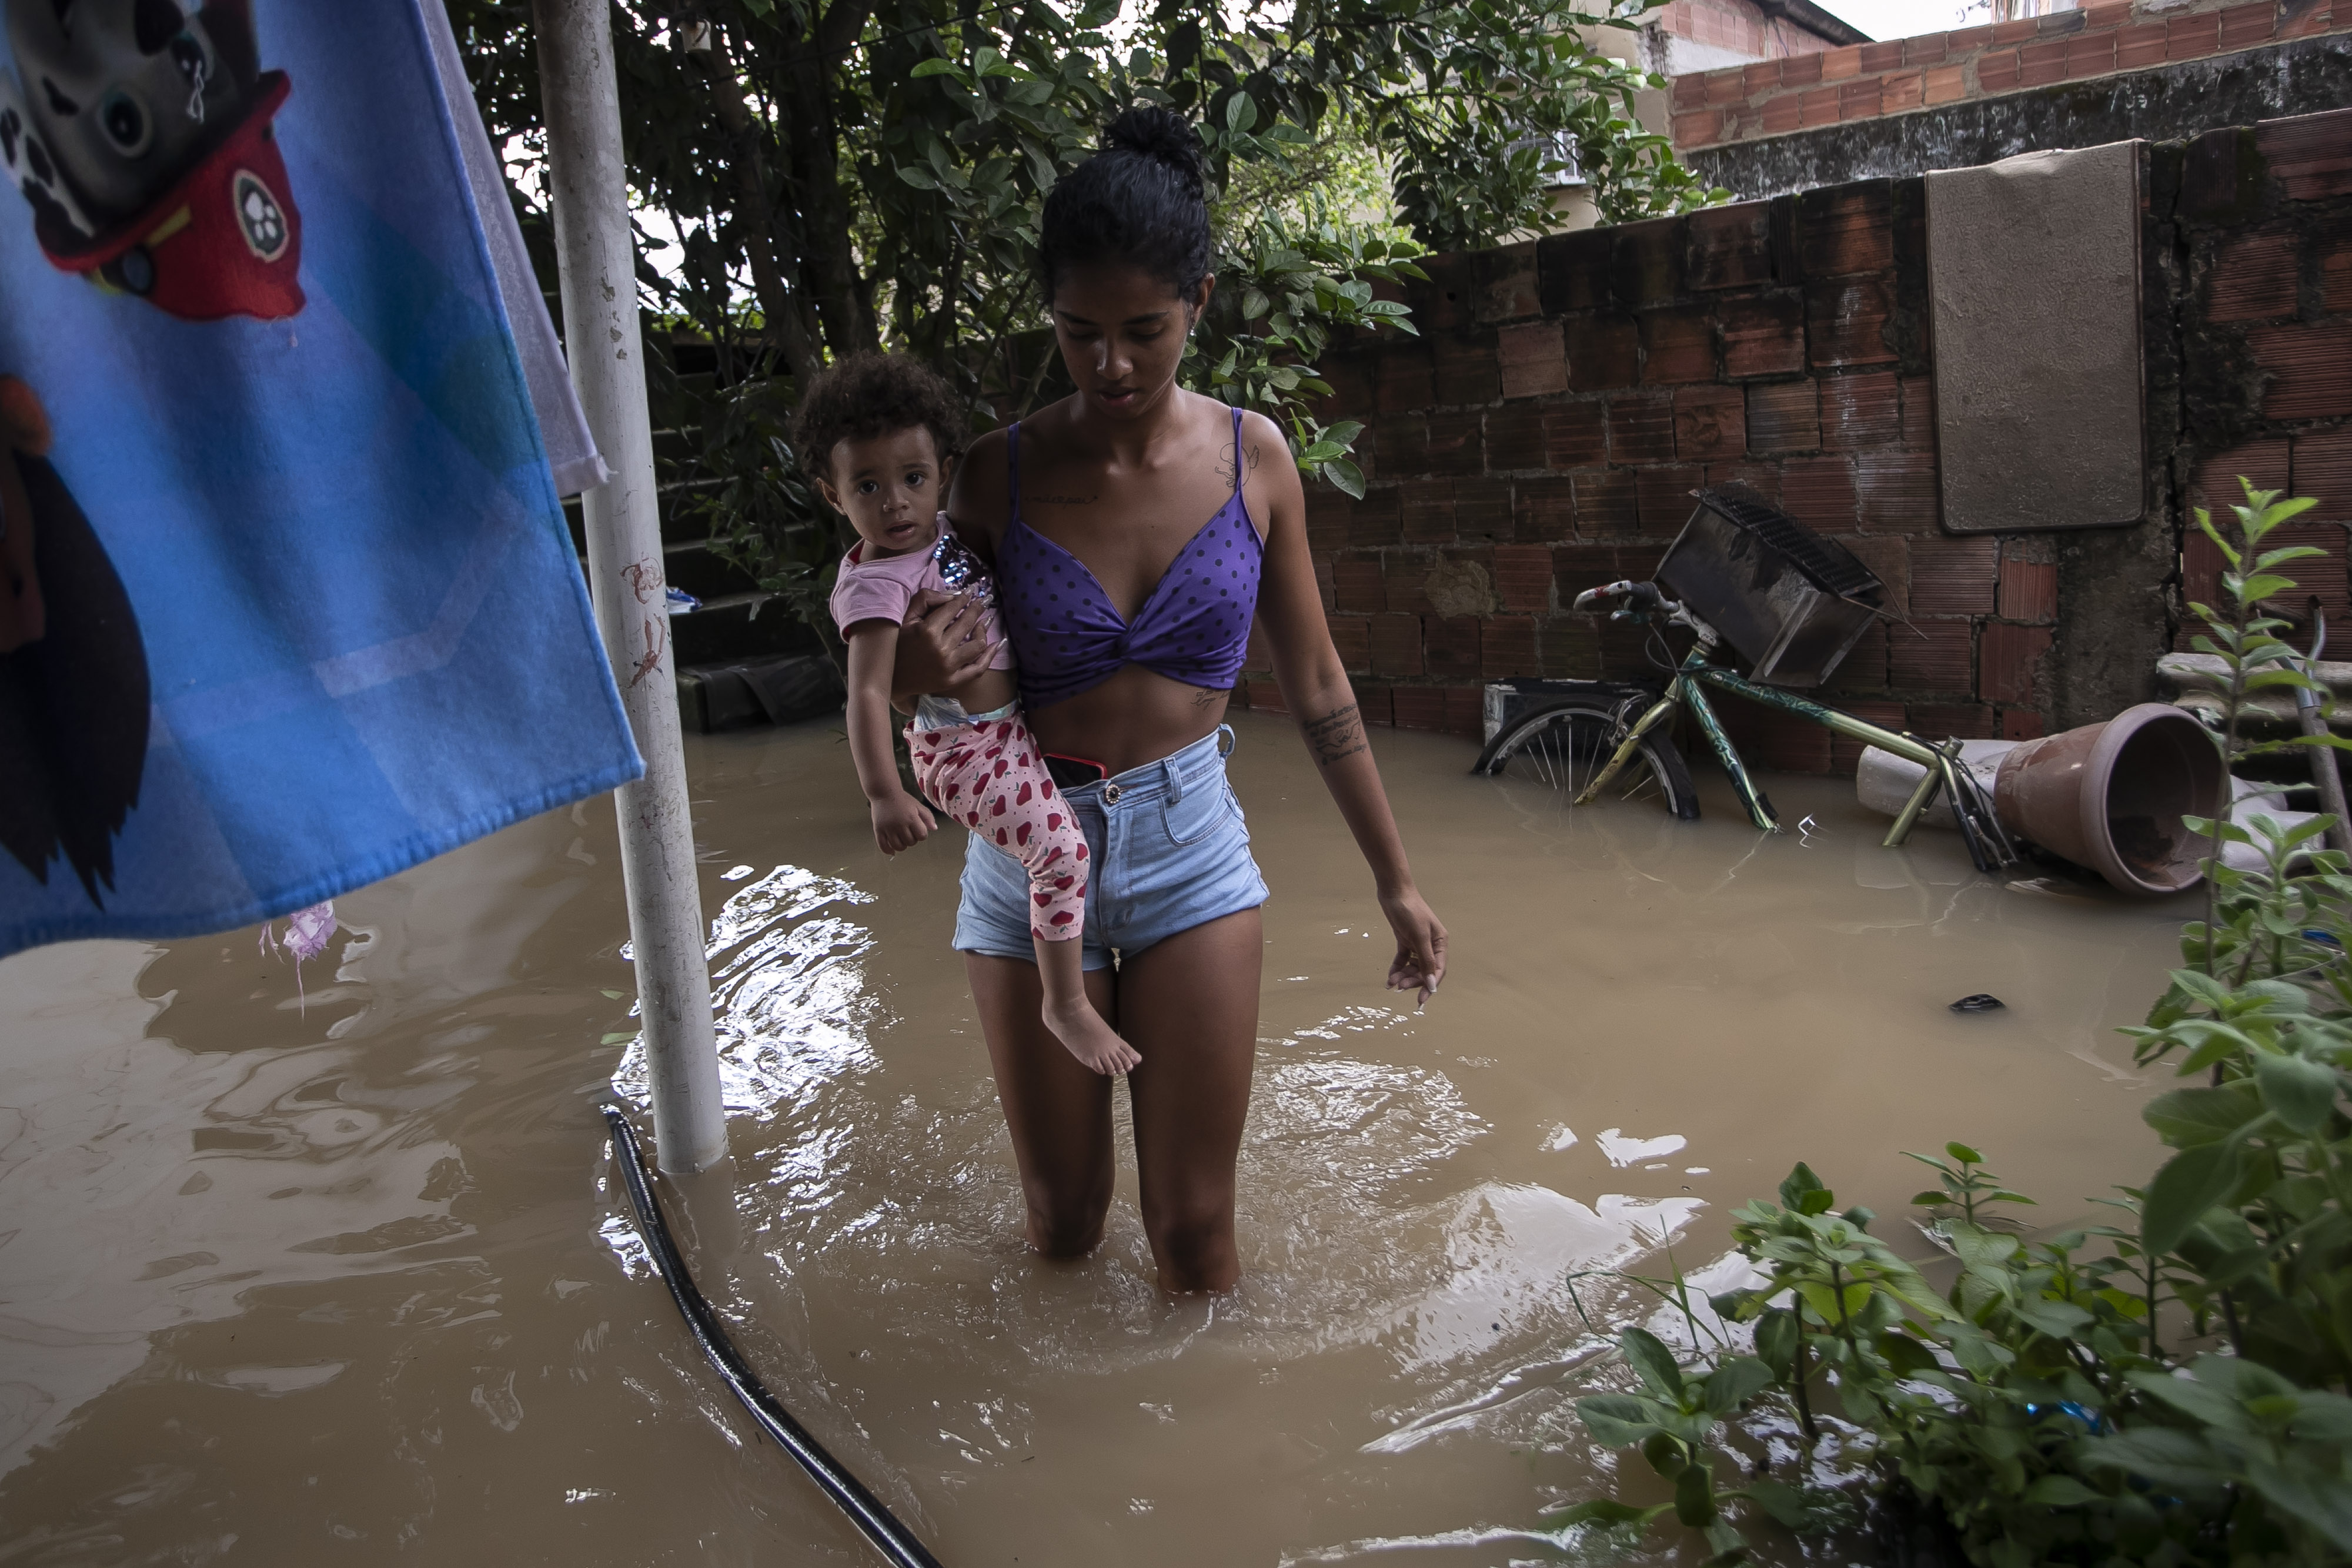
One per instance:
(1194,628)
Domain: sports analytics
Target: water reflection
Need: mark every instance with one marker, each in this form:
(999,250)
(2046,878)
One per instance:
(150,1189)
(1623,1151)
(788,991)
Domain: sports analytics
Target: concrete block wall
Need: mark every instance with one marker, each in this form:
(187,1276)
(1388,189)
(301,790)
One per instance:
(1866,81)
(1543,437)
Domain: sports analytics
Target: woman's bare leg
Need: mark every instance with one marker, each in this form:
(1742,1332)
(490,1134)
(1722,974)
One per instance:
(1058,1109)
(1190,1005)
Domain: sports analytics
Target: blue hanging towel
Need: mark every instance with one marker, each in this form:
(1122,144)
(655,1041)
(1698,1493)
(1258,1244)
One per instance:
(287,598)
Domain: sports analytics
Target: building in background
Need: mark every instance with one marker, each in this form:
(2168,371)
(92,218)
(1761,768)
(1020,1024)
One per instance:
(1687,36)
(1709,35)
(2016,10)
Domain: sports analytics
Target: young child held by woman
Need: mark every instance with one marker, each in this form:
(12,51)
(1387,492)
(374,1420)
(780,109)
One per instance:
(880,434)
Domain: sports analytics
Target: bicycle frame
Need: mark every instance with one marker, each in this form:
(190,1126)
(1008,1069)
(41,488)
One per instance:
(1988,845)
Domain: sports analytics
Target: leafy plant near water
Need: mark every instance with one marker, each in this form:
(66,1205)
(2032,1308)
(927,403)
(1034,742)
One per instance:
(760,513)
(2168,1389)
(2027,1406)
(1288,289)
(2244,637)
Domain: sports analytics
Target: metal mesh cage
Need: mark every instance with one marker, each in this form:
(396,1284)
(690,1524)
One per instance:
(1828,566)
(1793,602)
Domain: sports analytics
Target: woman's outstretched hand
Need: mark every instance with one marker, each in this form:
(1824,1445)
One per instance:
(1420,961)
(946,641)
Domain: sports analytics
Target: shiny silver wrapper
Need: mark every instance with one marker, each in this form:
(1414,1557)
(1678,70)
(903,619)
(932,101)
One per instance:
(958,567)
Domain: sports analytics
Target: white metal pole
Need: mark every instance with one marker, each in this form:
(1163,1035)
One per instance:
(588,181)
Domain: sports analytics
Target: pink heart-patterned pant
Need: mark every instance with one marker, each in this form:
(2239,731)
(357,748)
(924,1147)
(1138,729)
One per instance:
(991,778)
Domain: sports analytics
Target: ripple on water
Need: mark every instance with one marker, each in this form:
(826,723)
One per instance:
(1512,1255)
(791,1010)
(907,1215)
(1331,1138)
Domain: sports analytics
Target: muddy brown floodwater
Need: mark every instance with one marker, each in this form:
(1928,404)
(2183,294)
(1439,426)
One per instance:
(344,1279)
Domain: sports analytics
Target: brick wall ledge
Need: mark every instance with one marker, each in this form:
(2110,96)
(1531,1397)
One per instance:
(2306,75)
(1868,81)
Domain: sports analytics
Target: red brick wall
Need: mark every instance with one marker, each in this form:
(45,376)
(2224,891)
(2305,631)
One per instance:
(1865,81)
(1544,435)
(2264,224)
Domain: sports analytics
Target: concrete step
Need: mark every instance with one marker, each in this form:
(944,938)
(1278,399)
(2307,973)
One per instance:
(738,626)
(700,571)
(758,690)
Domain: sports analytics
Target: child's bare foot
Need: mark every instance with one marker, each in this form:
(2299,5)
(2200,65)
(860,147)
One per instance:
(1082,1030)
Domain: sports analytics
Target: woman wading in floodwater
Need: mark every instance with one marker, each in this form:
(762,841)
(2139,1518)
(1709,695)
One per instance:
(1134,528)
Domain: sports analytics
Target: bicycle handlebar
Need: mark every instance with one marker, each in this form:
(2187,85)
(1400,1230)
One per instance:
(1641,598)
(1644,600)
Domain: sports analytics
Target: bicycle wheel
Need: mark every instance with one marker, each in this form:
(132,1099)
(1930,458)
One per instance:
(1564,746)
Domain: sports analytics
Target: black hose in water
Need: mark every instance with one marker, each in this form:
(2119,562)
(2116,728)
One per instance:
(866,1510)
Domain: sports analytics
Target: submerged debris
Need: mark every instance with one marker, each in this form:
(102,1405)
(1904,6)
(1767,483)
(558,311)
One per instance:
(307,934)
(1981,1002)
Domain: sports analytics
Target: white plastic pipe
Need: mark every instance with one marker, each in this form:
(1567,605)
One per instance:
(1883,782)
(588,181)
(2250,800)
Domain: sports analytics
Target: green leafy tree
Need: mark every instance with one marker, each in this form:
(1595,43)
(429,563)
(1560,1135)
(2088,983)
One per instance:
(846,173)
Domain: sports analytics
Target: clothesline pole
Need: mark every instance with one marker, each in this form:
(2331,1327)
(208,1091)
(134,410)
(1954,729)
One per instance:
(594,242)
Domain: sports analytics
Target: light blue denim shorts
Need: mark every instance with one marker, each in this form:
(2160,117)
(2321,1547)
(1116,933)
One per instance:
(1170,852)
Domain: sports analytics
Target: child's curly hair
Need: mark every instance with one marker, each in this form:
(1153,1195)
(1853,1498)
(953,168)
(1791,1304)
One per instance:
(870,394)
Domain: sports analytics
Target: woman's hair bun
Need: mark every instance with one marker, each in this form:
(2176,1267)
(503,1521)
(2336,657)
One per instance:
(1161,136)
(1138,201)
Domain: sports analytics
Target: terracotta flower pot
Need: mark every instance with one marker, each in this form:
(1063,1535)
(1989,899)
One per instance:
(2111,796)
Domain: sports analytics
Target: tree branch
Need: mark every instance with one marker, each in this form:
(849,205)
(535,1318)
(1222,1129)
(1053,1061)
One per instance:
(776,303)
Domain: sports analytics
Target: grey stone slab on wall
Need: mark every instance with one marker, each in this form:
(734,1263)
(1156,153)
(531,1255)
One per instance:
(2034,279)
(2166,103)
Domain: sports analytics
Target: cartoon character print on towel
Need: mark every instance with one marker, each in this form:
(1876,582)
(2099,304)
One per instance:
(140,135)
(73,668)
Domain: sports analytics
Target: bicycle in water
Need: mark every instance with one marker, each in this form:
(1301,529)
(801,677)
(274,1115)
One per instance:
(1592,738)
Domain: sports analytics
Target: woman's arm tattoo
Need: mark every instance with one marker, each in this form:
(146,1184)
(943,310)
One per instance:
(1338,734)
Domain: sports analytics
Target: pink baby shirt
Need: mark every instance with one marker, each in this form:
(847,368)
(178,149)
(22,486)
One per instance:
(881,589)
